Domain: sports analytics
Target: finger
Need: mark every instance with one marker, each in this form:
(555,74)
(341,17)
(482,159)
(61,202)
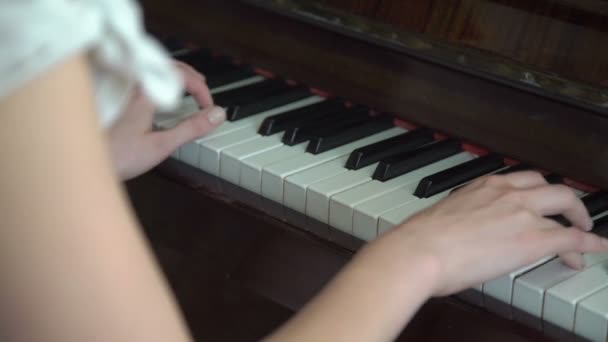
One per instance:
(519,180)
(197,87)
(569,243)
(136,116)
(573,260)
(549,200)
(163,143)
(191,69)
(525,179)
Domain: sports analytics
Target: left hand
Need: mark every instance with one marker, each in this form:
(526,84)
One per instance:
(136,148)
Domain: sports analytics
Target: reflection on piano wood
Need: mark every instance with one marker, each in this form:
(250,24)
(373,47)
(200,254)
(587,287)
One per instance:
(560,37)
(348,174)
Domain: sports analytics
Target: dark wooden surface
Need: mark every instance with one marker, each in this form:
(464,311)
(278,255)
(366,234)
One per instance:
(238,273)
(569,38)
(546,133)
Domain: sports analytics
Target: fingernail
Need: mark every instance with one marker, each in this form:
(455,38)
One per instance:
(216,116)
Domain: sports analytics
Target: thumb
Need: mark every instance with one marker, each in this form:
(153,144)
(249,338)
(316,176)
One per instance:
(188,130)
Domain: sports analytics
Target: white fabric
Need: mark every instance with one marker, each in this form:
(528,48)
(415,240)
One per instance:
(37,34)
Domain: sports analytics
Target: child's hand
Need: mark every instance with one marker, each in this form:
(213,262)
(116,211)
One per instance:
(496,225)
(136,148)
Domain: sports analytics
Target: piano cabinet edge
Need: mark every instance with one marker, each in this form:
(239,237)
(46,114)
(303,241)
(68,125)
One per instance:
(231,266)
(548,134)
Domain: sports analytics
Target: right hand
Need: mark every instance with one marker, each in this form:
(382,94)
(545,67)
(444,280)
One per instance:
(494,226)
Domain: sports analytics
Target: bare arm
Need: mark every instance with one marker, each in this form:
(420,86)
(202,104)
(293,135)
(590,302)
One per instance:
(482,231)
(74,265)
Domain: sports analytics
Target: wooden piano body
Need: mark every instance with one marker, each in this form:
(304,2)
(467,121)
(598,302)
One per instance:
(523,79)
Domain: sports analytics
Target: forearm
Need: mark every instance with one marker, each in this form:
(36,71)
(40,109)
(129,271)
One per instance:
(372,298)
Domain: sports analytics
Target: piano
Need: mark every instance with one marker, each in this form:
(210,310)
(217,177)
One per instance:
(347,117)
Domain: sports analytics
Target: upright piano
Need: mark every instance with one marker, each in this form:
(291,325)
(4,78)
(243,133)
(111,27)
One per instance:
(347,117)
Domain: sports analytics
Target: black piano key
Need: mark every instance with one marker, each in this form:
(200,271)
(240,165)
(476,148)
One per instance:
(281,122)
(398,165)
(202,61)
(554,178)
(514,168)
(458,175)
(215,80)
(600,226)
(596,203)
(172,45)
(400,144)
(334,121)
(218,71)
(250,93)
(510,169)
(243,110)
(327,141)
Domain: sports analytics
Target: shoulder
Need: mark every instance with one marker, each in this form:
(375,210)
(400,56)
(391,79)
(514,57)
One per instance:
(36,35)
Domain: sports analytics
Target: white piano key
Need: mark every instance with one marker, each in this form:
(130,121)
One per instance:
(592,317)
(191,153)
(232,157)
(501,288)
(294,196)
(562,299)
(209,152)
(394,217)
(366,214)
(343,204)
(529,289)
(238,84)
(319,194)
(252,167)
(274,175)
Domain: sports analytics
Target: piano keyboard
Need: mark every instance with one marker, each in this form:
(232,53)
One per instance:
(337,164)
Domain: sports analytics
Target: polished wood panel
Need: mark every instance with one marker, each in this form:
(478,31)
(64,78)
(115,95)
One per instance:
(569,38)
(238,273)
(552,135)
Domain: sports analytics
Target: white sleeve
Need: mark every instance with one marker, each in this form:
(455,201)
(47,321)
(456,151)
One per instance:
(37,34)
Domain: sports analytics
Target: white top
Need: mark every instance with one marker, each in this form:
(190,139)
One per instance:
(37,34)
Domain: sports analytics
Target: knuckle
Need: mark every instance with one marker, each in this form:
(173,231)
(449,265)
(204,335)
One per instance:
(524,215)
(536,176)
(511,196)
(566,192)
(494,181)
